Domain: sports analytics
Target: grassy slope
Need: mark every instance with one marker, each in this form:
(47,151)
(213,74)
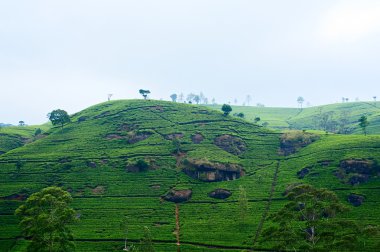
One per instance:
(16,136)
(137,195)
(204,221)
(285,118)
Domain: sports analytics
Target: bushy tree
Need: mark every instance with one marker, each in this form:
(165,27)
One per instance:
(144,93)
(173,97)
(59,116)
(308,222)
(21,123)
(226,109)
(44,219)
(300,101)
(363,123)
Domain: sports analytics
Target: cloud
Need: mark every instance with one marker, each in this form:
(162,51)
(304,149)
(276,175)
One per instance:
(349,22)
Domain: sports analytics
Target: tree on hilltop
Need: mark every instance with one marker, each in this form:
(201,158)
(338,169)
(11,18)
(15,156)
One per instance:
(174,97)
(144,93)
(300,101)
(59,116)
(226,109)
(44,219)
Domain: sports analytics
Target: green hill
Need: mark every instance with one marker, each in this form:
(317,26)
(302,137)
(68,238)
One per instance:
(339,117)
(188,152)
(16,136)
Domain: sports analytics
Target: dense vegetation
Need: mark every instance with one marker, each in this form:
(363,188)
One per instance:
(190,174)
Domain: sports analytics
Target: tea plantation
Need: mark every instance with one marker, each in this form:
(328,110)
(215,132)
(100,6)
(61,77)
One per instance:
(310,118)
(156,163)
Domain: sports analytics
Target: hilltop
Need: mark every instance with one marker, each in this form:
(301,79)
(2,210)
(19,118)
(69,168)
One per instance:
(156,162)
(339,117)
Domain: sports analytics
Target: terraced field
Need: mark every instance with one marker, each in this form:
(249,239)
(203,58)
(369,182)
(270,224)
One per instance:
(309,118)
(190,150)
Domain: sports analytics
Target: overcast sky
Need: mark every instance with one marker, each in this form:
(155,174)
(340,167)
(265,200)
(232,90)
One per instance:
(70,54)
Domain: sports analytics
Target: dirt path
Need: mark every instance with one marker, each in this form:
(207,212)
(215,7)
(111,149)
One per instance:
(266,211)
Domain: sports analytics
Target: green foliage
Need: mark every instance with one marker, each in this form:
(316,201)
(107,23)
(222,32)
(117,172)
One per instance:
(363,123)
(226,109)
(44,218)
(91,158)
(142,165)
(173,97)
(144,93)
(309,223)
(59,116)
(146,244)
(37,132)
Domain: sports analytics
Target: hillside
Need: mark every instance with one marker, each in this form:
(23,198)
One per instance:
(336,116)
(187,152)
(16,136)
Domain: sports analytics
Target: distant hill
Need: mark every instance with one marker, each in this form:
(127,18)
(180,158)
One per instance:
(157,162)
(5,125)
(337,115)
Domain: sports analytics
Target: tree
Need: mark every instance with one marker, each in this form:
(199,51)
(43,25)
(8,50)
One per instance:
(374,98)
(308,222)
(257,119)
(37,132)
(202,98)
(226,109)
(174,97)
(124,228)
(363,123)
(146,244)
(44,219)
(213,101)
(109,96)
(190,97)
(243,204)
(21,123)
(144,93)
(180,97)
(59,116)
(197,99)
(248,99)
(300,101)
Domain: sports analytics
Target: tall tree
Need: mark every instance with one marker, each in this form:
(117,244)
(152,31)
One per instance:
(190,97)
(144,93)
(109,96)
(174,97)
(363,123)
(59,116)
(226,109)
(248,99)
(308,222)
(124,228)
(146,244)
(21,123)
(300,101)
(44,219)
(180,97)
(197,99)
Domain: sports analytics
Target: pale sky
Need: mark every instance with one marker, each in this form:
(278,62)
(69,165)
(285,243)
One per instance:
(70,54)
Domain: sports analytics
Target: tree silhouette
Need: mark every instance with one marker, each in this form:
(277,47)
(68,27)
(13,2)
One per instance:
(144,93)
(226,109)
